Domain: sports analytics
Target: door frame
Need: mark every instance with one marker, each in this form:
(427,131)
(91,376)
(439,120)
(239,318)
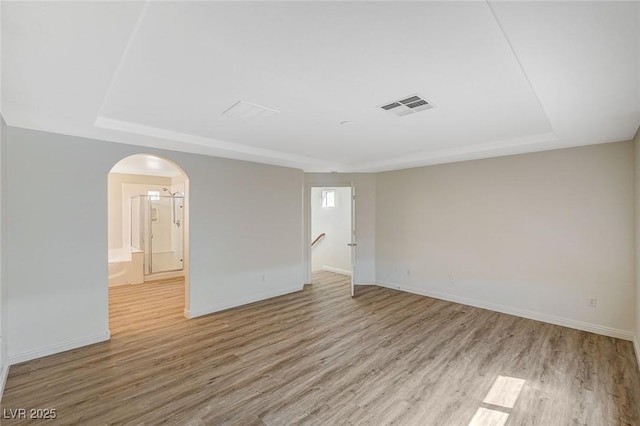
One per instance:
(307,237)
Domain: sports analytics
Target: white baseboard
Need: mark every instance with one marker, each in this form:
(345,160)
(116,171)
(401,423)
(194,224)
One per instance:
(636,347)
(336,270)
(4,373)
(57,348)
(193,313)
(551,319)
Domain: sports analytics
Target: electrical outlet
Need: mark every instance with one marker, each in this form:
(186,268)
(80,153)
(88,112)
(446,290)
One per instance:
(264,278)
(592,302)
(450,278)
(408,272)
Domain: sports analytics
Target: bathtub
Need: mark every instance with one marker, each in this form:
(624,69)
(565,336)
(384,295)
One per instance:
(126,266)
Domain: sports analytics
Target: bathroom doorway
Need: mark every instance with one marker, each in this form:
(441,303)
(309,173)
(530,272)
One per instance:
(148,225)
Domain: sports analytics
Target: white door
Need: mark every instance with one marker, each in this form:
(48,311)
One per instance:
(353,244)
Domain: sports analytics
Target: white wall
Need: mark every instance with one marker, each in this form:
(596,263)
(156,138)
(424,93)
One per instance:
(365,226)
(245,242)
(535,235)
(331,253)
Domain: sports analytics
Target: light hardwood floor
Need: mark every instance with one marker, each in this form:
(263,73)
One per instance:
(320,357)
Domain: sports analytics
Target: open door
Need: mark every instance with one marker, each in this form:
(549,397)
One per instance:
(353,244)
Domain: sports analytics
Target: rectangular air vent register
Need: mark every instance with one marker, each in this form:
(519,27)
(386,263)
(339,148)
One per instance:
(249,111)
(407,105)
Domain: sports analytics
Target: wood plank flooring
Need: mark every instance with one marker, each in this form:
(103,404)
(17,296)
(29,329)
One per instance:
(321,357)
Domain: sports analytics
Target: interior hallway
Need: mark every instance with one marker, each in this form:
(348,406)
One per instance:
(321,357)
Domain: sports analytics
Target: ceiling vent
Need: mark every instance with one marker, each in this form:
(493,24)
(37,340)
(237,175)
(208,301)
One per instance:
(248,111)
(407,105)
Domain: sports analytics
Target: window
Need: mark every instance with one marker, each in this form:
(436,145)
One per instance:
(328,198)
(154,195)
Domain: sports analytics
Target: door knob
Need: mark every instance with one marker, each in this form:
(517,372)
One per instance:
(351,244)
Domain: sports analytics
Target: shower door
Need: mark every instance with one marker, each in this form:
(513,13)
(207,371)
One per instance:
(161,233)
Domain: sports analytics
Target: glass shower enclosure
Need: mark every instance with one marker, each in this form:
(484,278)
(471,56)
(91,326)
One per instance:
(157,229)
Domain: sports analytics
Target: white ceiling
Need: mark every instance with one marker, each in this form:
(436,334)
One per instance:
(505,77)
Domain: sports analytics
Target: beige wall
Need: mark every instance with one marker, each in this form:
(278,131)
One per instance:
(535,235)
(245,244)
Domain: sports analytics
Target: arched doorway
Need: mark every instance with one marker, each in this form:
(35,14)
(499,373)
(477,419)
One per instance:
(148,229)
